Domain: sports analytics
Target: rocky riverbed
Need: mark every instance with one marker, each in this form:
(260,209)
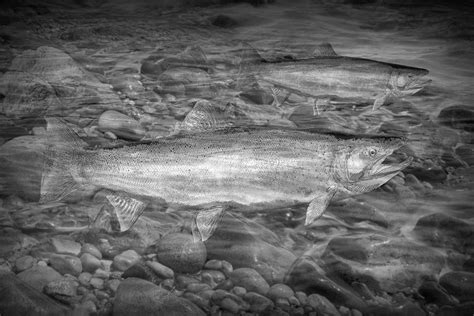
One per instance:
(119,73)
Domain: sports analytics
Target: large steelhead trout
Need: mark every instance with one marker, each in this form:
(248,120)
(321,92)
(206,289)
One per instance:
(244,166)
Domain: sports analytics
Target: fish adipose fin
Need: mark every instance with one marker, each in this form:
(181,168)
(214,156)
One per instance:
(205,223)
(318,205)
(60,158)
(324,50)
(127,209)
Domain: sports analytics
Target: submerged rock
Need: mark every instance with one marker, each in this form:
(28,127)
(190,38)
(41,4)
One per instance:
(458,116)
(188,82)
(180,252)
(250,245)
(139,297)
(39,276)
(121,125)
(444,231)
(383,263)
(249,279)
(19,298)
(460,284)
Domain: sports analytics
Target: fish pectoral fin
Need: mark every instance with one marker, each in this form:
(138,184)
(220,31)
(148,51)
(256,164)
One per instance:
(206,222)
(380,100)
(318,205)
(324,50)
(127,209)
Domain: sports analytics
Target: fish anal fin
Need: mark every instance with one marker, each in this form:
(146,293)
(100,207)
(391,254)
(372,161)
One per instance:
(127,209)
(205,223)
(324,50)
(318,205)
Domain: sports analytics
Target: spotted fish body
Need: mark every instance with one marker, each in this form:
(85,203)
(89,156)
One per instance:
(244,166)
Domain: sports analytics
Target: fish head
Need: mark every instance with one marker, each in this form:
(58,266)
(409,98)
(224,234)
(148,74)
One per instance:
(409,80)
(363,166)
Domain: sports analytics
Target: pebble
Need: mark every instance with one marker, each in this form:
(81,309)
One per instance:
(97,283)
(258,303)
(112,285)
(322,305)
(213,264)
(227,268)
(239,291)
(283,304)
(197,287)
(302,297)
(230,305)
(23,263)
(90,263)
(168,284)
(212,277)
(63,287)
(121,125)
(294,301)
(101,295)
(161,270)
(91,249)
(66,246)
(183,280)
(280,290)
(250,279)
(460,284)
(226,285)
(125,260)
(39,276)
(179,251)
(142,271)
(84,278)
(200,301)
(432,292)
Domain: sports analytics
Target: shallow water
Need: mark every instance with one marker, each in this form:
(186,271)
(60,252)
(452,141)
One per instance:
(387,239)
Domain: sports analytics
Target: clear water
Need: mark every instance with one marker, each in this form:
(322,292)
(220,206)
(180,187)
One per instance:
(438,37)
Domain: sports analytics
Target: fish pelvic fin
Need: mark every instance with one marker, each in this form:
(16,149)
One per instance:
(127,209)
(381,100)
(248,67)
(318,205)
(205,223)
(61,162)
(324,50)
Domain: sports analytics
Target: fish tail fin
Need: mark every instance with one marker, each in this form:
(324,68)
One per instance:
(61,163)
(249,59)
(205,223)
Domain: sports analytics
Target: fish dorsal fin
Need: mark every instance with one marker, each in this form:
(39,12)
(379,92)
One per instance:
(324,50)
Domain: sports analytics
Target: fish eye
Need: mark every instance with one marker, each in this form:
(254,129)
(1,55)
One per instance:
(372,152)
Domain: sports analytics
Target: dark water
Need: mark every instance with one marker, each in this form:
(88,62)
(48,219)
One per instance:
(405,248)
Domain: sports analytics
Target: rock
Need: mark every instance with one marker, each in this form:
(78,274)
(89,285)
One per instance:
(197,287)
(459,310)
(459,284)
(200,301)
(91,249)
(466,153)
(84,278)
(280,291)
(249,279)
(212,277)
(179,251)
(125,260)
(24,263)
(139,297)
(230,305)
(352,211)
(39,276)
(239,291)
(247,244)
(103,274)
(322,305)
(90,263)
(161,271)
(20,298)
(183,280)
(223,21)
(444,231)
(63,289)
(190,82)
(142,271)
(458,116)
(66,264)
(383,263)
(226,285)
(306,276)
(97,283)
(112,285)
(213,265)
(427,171)
(121,125)
(258,303)
(66,246)
(434,293)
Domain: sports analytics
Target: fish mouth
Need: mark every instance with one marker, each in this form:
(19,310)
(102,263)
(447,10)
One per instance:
(384,170)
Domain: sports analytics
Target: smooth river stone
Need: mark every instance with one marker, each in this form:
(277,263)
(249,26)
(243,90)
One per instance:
(249,279)
(249,245)
(139,297)
(181,253)
(383,263)
(121,125)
